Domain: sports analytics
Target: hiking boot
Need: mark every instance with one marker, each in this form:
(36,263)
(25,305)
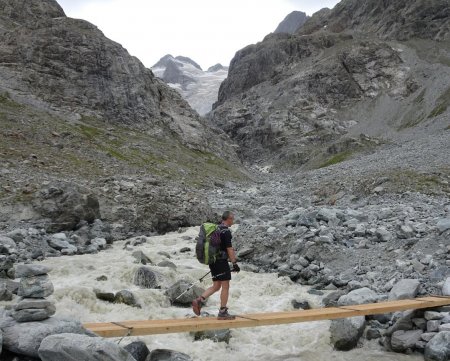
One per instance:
(224,315)
(197,305)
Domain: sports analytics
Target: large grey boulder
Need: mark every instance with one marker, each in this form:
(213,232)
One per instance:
(146,278)
(7,245)
(71,347)
(138,349)
(127,298)
(181,286)
(404,289)
(346,332)
(35,287)
(25,338)
(443,224)
(404,340)
(213,335)
(28,310)
(167,355)
(438,349)
(29,270)
(358,296)
(446,287)
(5,294)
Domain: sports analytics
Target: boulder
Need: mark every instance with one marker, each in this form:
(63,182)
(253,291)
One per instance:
(213,335)
(146,278)
(59,241)
(5,294)
(433,325)
(99,243)
(167,355)
(404,289)
(443,224)
(138,349)
(433,315)
(65,205)
(358,296)
(105,296)
(35,287)
(383,234)
(7,245)
(141,257)
(127,298)
(178,288)
(404,340)
(25,338)
(28,310)
(167,264)
(70,347)
(30,270)
(446,287)
(346,332)
(438,349)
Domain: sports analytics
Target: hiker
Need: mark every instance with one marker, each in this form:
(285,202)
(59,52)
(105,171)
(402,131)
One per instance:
(220,270)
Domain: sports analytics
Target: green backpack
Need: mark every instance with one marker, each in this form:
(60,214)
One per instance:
(208,248)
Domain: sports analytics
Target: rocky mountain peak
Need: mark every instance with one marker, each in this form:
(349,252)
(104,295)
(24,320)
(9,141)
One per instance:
(28,11)
(292,23)
(216,67)
(163,61)
(187,60)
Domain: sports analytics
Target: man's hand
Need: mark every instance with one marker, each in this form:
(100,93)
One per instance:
(236,268)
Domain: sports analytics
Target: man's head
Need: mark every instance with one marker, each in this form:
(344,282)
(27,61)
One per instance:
(228,218)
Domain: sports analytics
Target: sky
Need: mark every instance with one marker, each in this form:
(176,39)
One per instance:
(207,31)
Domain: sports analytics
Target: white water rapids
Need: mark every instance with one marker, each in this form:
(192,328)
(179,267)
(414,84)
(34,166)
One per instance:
(74,278)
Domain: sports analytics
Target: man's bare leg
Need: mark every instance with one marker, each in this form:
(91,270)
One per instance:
(224,294)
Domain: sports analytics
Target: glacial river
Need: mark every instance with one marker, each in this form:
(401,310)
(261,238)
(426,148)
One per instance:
(75,278)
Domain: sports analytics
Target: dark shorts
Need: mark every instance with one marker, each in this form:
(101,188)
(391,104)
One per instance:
(221,269)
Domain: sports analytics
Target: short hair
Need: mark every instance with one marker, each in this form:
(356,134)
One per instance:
(226,215)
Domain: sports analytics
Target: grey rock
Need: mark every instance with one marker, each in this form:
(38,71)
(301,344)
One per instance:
(7,245)
(5,294)
(35,287)
(438,349)
(433,315)
(33,314)
(373,333)
(105,296)
(292,22)
(18,235)
(433,325)
(69,347)
(167,355)
(303,305)
(141,257)
(245,252)
(383,235)
(181,286)
(345,333)
(138,349)
(185,249)
(29,270)
(427,336)
(168,264)
(420,323)
(445,327)
(25,338)
(146,278)
(443,224)
(404,289)
(213,335)
(446,287)
(358,296)
(100,243)
(127,298)
(404,340)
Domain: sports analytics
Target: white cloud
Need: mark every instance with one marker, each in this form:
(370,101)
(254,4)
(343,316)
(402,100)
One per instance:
(208,31)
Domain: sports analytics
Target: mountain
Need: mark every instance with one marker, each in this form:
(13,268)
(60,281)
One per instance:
(377,68)
(198,87)
(77,108)
(292,23)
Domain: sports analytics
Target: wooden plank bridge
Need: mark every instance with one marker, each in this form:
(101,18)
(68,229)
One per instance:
(153,327)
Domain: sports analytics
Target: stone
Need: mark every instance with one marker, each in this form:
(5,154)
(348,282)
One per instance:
(35,287)
(443,224)
(144,277)
(70,347)
(433,325)
(245,252)
(138,349)
(404,340)
(141,257)
(433,315)
(345,333)
(404,289)
(383,234)
(427,336)
(5,294)
(33,314)
(331,299)
(178,288)
(446,287)
(99,243)
(167,355)
(326,214)
(29,270)
(167,264)
(59,241)
(438,349)
(444,327)
(373,333)
(420,323)
(18,235)
(358,296)
(185,249)
(127,298)
(7,245)
(213,335)
(25,338)
(105,296)
(300,305)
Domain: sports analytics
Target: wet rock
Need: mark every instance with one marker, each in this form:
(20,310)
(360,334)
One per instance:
(438,349)
(168,264)
(35,287)
(104,296)
(102,278)
(99,243)
(331,300)
(31,309)
(178,288)
(141,257)
(346,332)
(138,349)
(300,305)
(167,355)
(213,335)
(69,347)
(127,298)
(29,270)
(404,340)
(185,249)
(404,289)
(358,296)
(25,338)
(146,278)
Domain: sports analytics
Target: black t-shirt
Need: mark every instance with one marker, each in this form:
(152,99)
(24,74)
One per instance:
(225,238)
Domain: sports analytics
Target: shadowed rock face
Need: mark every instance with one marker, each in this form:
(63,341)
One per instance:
(297,98)
(292,23)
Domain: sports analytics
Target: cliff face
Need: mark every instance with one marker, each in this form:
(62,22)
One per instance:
(66,65)
(292,23)
(359,68)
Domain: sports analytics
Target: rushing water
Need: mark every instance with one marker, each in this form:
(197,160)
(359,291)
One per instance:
(75,278)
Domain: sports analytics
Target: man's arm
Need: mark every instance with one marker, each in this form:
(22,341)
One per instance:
(231,254)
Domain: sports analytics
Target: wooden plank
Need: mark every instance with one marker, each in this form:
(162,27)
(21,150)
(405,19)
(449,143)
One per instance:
(151,327)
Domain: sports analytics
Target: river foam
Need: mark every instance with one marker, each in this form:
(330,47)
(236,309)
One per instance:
(74,278)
